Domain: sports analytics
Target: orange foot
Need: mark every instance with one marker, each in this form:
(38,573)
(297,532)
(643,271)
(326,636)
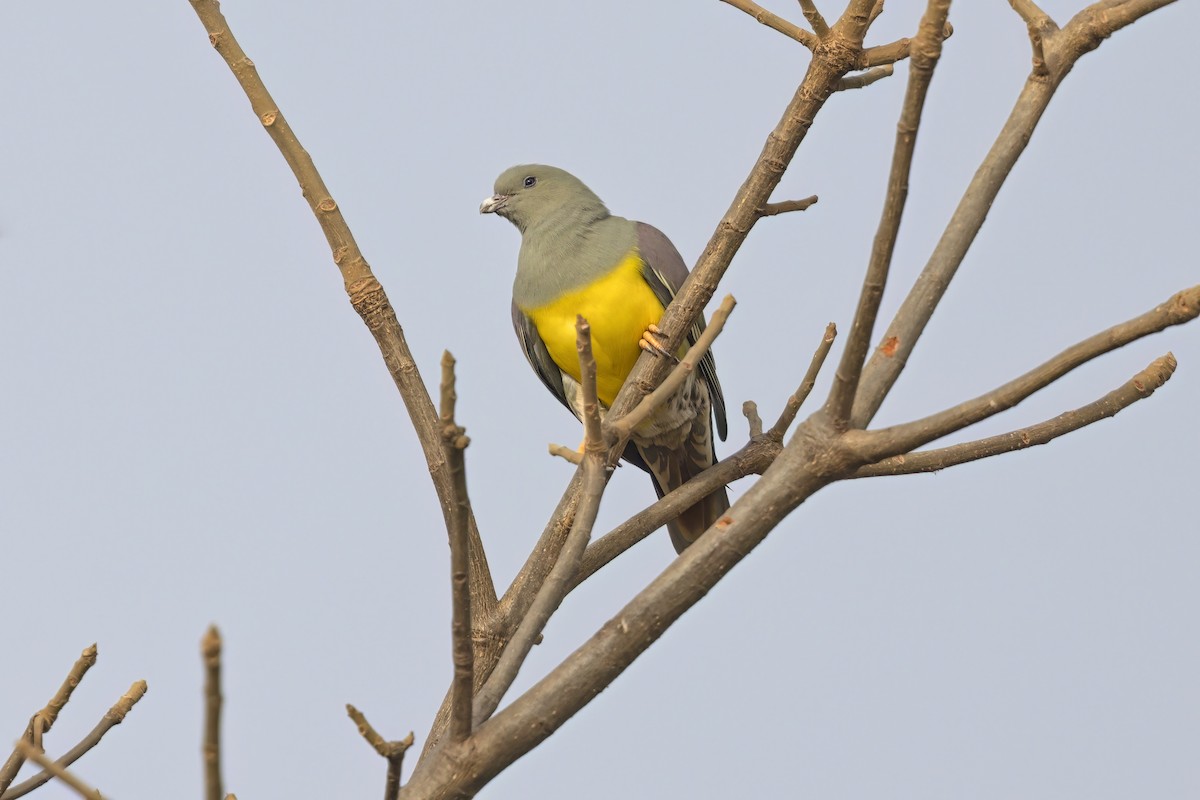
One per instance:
(652,341)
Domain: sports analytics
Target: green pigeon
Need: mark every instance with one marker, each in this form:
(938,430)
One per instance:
(578,259)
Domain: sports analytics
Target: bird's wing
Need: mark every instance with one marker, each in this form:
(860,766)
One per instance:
(539,357)
(664,270)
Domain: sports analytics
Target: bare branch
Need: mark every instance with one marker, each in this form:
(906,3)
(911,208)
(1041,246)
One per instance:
(558,582)
(28,751)
(752,458)
(1032,14)
(593,441)
(1139,387)
(392,751)
(926,50)
(753,420)
(1063,48)
(855,20)
(785,206)
(875,12)
(865,79)
(112,718)
(44,719)
(365,292)
(564,452)
(625,425)
(793,404)
(820,28)
(210,650)
(1039,24)
(892,52)
(886,442)
(775,22)
(455,441)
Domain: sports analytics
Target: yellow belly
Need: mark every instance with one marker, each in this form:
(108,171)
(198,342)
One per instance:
(619,306)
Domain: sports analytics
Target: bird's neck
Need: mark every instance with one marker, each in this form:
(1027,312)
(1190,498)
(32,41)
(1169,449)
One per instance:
(566,251)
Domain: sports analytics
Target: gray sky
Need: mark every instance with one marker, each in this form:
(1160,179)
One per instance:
(196,427)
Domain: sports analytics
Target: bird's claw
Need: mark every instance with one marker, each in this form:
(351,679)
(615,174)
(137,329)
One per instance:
(651,341)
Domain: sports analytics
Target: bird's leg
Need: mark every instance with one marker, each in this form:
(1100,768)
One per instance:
(651,340)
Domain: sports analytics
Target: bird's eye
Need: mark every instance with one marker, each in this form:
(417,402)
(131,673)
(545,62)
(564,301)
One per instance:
(530,181)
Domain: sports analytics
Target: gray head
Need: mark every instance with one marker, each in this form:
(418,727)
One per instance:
(529,194)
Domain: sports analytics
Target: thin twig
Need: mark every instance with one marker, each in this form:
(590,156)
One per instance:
(455,441)
(814,18)
(1039,24)
(558,582)
(892,52)
(785,206)
(1031,13)
(593,441)
(886,442)
(876,11)
(392,751)
(365,292)
(210,650)
(864,79)
(1139,387)
(28,751)
(626,424)
(44,719)
(569,453)
(926,50)
(793,404)
(775,22)
(112,718)
(753,420)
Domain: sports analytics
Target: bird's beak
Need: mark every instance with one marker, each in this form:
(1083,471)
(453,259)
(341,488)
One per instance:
(493,204)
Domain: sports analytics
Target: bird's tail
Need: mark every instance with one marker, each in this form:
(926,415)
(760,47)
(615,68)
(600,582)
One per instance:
(671,468)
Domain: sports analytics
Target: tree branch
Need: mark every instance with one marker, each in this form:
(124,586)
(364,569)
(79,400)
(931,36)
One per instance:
(1139,387)
(775,22)
(550,596)
(44,719)
(392,751)
(210,650)
(793,404)
(1063,48)
(365,292)
(864,79)
(112,718)
(1181,307)
(28,751)
(786,206)
(926,50)
(455,441)
(820,28)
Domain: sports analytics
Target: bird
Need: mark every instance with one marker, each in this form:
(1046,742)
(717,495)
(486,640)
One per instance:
(576,258)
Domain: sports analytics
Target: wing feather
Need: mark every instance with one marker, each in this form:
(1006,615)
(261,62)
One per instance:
(665,271)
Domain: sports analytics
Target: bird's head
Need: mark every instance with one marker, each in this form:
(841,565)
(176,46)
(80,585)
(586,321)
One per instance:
(529,194)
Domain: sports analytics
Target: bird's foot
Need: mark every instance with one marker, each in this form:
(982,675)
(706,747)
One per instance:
(652,341)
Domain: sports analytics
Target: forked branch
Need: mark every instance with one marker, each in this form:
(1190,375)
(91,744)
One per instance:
(1139,387)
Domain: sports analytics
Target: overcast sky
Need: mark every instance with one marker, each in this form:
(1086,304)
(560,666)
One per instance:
(197,428)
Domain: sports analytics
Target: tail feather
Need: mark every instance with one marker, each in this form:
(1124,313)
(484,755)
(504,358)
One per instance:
(670,469)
